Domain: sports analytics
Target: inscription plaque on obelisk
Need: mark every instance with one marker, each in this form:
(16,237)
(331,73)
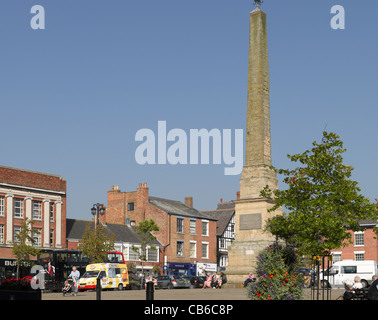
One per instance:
(250,221)
(251,210)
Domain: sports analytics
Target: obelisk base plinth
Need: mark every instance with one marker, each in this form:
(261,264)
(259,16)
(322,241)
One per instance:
(250,238)
(243,258)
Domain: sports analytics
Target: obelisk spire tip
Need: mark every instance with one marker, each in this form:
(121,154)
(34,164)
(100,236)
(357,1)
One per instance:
(258,3)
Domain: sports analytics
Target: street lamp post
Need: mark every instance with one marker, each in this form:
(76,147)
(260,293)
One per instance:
(96,211)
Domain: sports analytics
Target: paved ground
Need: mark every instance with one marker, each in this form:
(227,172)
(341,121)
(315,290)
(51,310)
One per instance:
(174,294)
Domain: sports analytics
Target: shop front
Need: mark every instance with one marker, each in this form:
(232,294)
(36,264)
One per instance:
(8,269)
(204,268)
(182,269)
(147,270)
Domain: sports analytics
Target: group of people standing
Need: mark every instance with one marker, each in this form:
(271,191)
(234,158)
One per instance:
(215,281)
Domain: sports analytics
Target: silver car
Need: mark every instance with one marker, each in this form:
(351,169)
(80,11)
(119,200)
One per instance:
(171,282)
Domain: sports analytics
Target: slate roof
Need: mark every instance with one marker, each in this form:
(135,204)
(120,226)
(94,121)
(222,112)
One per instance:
(223,215)
(178,208)
(368,222)
(122,233)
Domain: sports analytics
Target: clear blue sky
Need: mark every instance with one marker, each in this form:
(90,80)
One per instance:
(72,96)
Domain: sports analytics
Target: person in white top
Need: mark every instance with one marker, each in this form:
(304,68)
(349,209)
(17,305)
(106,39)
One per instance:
(75,275)
(357,284)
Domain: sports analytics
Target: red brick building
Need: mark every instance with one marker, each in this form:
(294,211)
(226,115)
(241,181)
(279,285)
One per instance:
(364,247)
(187,235)
(37,196)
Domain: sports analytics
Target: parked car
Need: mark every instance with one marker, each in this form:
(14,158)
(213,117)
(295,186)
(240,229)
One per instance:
(171,282)
(308,275)
(195,282)
(305,271)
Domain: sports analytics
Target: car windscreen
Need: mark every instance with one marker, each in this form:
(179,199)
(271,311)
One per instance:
(90,274)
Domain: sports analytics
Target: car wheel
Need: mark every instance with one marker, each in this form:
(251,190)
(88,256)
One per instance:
(325,284)
(364,283)
(120,287)
(170,286)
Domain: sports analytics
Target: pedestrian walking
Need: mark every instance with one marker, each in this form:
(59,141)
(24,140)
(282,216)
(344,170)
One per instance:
(75,275)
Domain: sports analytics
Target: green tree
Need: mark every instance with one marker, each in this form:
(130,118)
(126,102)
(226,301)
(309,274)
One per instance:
(144,230)
(23,246)
(321,200)
(96,243)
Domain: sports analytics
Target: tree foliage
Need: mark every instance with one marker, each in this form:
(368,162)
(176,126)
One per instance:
(322,201)
(96,243)
(23,246)
(144,229)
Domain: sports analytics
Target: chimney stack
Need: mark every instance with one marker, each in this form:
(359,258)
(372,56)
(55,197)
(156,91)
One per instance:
(142,191)
(189,201)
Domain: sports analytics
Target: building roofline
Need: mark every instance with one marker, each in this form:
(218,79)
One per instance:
(31,171)
(197,214)
(108,228)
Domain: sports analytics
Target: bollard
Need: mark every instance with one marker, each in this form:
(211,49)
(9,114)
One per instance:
(98,289)
(149,290)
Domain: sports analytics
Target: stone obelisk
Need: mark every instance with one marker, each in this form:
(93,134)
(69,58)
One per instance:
(251,210)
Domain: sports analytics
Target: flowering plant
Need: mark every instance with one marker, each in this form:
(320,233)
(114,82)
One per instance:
(16,284)
(275,278)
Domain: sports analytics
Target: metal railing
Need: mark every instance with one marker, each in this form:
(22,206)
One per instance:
(320,284)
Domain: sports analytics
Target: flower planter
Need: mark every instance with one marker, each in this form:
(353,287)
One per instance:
(19,289)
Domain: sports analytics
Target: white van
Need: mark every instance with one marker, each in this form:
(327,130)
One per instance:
(344,272)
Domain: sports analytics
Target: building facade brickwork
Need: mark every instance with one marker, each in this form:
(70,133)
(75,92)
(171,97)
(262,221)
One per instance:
(364,245)
(36,196)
